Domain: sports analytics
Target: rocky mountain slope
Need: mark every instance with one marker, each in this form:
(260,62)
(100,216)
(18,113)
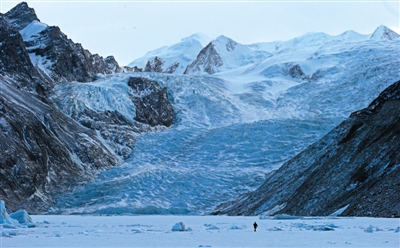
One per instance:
(354,167)
(384,33)
(52,52)
(44,151)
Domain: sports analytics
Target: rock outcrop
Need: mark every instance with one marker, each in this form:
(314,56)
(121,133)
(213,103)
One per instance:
(151,101)
(155,65)
(355,166)
(207,60)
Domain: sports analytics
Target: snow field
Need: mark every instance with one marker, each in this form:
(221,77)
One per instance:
(204,231)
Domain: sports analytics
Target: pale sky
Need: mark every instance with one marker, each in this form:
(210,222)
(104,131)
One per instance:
(129,29)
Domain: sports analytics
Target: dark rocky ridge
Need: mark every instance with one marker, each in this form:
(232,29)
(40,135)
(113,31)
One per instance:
(15,60)
(356,165)
(21,15)
(157,65)
(66,61)
(206,60)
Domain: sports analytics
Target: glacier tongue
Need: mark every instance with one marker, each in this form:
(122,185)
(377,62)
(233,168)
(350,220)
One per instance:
(223,142)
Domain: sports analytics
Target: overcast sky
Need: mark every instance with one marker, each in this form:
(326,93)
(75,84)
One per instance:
(129,29)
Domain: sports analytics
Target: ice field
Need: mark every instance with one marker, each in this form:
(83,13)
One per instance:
(203,231)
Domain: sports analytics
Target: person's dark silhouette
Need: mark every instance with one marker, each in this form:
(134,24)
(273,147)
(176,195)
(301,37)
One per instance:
(255,226)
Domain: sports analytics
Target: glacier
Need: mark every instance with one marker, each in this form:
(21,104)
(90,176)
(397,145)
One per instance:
(232,128)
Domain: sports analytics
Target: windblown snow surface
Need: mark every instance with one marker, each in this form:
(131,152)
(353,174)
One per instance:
(201,231)
(231,129)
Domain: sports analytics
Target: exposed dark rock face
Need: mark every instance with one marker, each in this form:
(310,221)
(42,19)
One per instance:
(206,61)
(231,45)
(356,165)
(137,69)
(155,65)
(172,68)
(43,152)
(296,72)
(21,15)
(286,69)
(62,59)
(15,60)
(112,65)
(151,101)
(66,61)
(134,69)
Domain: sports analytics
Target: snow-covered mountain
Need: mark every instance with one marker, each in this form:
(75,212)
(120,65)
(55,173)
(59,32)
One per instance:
(313,40)
(384,33)
(224,54)
(231,131)
(50,50)
(196,57)
(174,58)
(187,142)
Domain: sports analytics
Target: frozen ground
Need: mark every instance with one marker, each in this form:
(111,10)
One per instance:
(206,231)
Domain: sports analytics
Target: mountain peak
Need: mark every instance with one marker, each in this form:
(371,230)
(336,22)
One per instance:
(21,15)
(223,38)
(384,33)
(202,38)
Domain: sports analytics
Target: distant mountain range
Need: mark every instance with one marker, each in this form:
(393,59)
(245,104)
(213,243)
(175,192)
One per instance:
(192,56)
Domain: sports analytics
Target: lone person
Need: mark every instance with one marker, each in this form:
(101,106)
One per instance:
(255,226)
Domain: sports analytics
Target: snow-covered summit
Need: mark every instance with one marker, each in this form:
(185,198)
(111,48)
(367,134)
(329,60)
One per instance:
(384,33)
(200,37)
(310,40)
(199,55)
(224,54)
(21,15)
(178,55)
